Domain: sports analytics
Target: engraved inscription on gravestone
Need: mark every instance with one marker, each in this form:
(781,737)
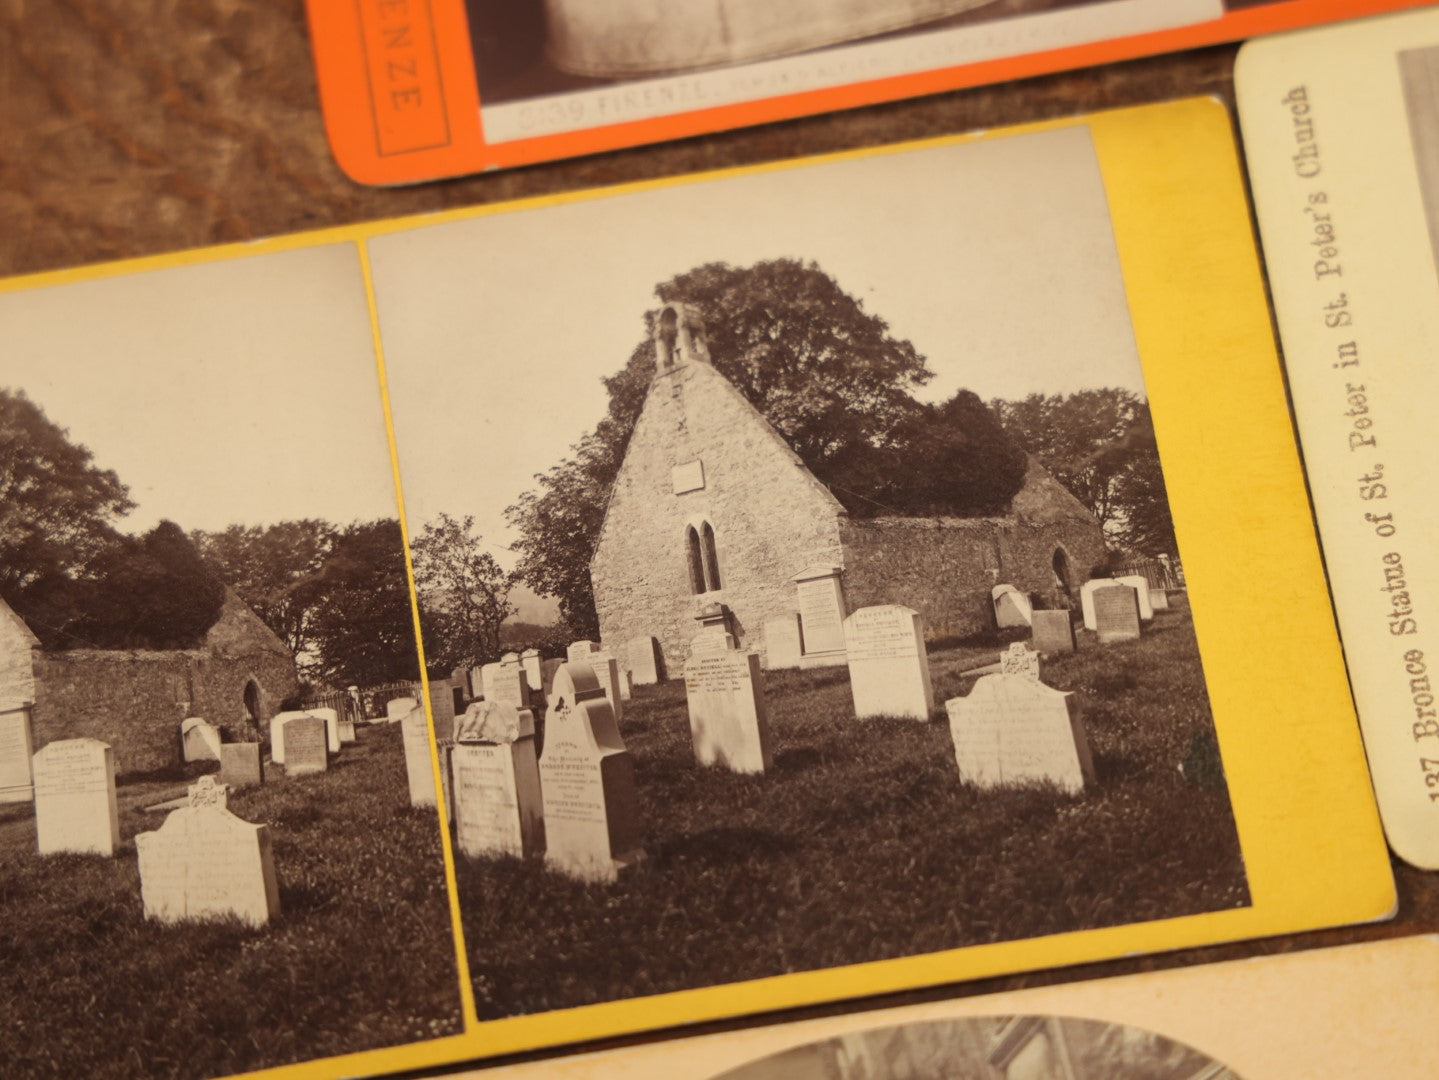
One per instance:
(206,792)
(306,745)
(205,863)
(16,750)
(1116,613)
(888,666)
(1018,659)
(1012,729)
(419,769)
(75,808)
(821,609)
(498,804)
(729,723)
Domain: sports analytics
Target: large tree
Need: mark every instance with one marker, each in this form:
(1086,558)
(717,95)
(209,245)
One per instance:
(1100,445)
(824,372)
(276,570)
(362,627)
(463,592)
(57,515)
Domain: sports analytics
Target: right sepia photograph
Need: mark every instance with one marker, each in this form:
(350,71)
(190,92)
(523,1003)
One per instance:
(797,575)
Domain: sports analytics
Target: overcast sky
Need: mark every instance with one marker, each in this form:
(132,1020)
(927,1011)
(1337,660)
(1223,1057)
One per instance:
(995,258)
(239,391)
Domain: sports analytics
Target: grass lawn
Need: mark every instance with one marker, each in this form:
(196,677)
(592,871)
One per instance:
(360,957)
(862,844)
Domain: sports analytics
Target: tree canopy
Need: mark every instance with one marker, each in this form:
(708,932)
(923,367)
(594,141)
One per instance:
(463,594)
(827,375)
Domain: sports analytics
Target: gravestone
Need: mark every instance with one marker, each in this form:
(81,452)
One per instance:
(419,769)
(347,732)
(607,671)
(240,765)
(1116,614)
(580,650)
(1012,729)
(534,676)
(16,749)
(332,726)
(442,703)
(783,644)
(444,750)
(307,744)
(506,683)
(205,863)
(398,708)
(821,610)
(729,723)
(1086,598)
(1159,599)
(1140,584)
(207,792)
(587,779)
(1019,659)
(712,642)
(622,680)
(646,662)
(1053,632)
(199,741)
(499,808)
(277,734)
(75,808)
(547,674)
(888,667)
(1011,607)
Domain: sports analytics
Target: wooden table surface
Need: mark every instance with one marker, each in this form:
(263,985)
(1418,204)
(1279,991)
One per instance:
(131,127)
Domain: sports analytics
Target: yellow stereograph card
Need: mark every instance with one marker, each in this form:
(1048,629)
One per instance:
(1342,137)
(847,575)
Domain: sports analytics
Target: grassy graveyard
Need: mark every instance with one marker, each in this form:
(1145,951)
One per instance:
(360,957)
(863,845)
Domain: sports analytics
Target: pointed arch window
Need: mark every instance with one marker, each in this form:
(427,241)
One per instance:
(702,559)
(696,561)
(711,560)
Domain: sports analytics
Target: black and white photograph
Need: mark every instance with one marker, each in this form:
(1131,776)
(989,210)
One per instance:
(215,856)
(567,65)
(991,1048)
(798,582)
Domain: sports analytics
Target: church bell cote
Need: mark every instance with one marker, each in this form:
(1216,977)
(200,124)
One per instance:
(679,337)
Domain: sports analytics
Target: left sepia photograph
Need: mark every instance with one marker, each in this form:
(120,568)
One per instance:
(218,848)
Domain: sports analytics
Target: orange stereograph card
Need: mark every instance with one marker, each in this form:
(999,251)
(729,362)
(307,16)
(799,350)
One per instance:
(414,90)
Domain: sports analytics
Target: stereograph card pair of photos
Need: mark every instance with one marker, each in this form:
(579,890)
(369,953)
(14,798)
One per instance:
(602,613)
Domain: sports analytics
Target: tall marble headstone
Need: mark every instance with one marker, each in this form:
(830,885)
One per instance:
(1053,632)
(499,808)
(729,722)
(16,750)
(240,765)
(307,744)
(1011,607)
(821,609)
(592,822)
(419,769)
(534,676)
(1140,584)
(1012,729)
(646,662)
(199,741)
(1086,598)
(783,645)
(888,666)
(1116,613)
(75,807)
(206,863)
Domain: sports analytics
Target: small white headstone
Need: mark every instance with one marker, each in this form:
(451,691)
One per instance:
(1012,729)
(821,609)
(1159,599)
(729,723)
(534,675)
(1011,607)
(205,863)
(499,808)
(16,783)
(1086,598)
(75,808)
(580,650)
(306,740)
(199,741)
(1019,659)
(398,708)
(419,769)
(347,732)
(645,660)
(888,666)
(783,645)
(332,726)
(592,824)
(506,683)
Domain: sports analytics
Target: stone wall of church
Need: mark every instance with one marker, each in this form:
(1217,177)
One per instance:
(771,518)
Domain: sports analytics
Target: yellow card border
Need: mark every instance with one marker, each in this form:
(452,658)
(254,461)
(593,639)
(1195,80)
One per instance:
(1308,828)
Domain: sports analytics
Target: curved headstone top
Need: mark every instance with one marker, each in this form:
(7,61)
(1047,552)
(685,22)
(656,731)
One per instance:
(574,681)
(189,723)
(496,722)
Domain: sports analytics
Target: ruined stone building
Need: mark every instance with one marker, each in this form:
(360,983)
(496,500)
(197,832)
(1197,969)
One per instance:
(135,699)
(713,512)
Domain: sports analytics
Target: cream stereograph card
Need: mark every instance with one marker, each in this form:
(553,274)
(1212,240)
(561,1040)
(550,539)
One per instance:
(1342,138)
(454,636)
(1322,1015)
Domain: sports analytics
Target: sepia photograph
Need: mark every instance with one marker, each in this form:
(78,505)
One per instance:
(797,576)
(214,856)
